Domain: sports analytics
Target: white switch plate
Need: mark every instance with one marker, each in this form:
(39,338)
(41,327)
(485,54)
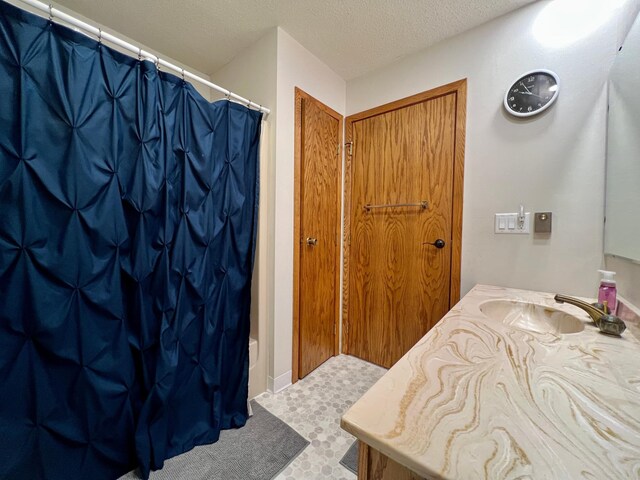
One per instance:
(508,223)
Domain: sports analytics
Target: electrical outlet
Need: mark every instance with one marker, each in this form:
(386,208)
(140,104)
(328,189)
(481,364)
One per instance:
(509,223)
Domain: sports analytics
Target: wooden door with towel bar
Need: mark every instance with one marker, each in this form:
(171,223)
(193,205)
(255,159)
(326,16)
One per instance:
(403,221)
(317,205)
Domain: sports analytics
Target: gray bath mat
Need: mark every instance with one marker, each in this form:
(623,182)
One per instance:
(350,459)
(258,451)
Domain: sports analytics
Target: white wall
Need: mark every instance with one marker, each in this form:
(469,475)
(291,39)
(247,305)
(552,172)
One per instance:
(252,74)
(296,67)
(553,162)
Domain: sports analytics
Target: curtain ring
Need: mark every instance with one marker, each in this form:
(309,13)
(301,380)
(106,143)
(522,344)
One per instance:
(139,54)
(249,104)
(228,96)
(99,35)
(157,62)
(50,13)
(183,74)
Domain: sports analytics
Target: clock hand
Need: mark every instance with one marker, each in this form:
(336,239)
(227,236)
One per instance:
(530,93)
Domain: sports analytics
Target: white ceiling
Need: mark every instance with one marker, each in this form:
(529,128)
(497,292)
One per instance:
(353,37)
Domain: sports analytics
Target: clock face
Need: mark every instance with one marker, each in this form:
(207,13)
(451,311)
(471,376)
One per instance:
(532,93)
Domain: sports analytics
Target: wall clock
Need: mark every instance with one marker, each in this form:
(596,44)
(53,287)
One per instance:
(532,93)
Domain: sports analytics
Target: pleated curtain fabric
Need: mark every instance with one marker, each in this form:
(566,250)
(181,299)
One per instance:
(128,208)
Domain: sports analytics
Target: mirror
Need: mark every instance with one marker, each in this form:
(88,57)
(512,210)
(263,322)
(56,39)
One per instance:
(622,227)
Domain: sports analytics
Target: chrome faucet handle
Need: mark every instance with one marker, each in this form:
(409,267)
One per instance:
(611,325)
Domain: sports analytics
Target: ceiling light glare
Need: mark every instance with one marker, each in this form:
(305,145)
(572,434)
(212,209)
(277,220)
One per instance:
(563,22)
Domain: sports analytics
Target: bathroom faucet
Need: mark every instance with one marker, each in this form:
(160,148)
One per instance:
(607,323)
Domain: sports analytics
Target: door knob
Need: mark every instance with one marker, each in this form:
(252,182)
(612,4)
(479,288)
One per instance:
(439,243)
(312,242)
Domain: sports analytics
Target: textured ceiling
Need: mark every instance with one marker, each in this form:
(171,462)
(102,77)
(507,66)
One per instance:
(353,37)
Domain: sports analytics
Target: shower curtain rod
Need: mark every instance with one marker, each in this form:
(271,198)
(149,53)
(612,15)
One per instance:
(54,12)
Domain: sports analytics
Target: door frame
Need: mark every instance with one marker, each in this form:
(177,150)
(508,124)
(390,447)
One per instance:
(459,88)
(301,95)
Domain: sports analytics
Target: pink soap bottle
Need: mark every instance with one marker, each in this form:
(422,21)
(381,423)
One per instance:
(608,292)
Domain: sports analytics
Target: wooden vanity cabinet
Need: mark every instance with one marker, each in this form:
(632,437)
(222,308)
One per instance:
(373,465)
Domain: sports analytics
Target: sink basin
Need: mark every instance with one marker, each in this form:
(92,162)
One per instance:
(531,317)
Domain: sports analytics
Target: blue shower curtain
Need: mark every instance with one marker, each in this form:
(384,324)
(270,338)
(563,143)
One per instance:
(128,209)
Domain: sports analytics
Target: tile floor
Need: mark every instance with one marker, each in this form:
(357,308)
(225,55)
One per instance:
(313,407)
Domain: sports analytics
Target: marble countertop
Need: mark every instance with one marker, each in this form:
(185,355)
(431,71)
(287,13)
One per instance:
(477,399)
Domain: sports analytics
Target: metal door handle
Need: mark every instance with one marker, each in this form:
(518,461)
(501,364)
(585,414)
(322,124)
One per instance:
(439,243)
(312,242)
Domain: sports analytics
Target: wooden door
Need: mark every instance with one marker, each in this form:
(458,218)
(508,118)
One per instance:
(319,180)
(405,192)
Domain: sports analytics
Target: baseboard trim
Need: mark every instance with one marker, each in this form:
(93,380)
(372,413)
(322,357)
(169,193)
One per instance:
(275,385)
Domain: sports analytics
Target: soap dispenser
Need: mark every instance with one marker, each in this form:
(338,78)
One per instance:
(607,291)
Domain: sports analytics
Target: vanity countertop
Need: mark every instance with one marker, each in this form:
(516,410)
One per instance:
(477,399)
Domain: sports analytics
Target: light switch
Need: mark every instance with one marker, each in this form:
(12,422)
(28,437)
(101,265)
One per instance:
(508,223)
